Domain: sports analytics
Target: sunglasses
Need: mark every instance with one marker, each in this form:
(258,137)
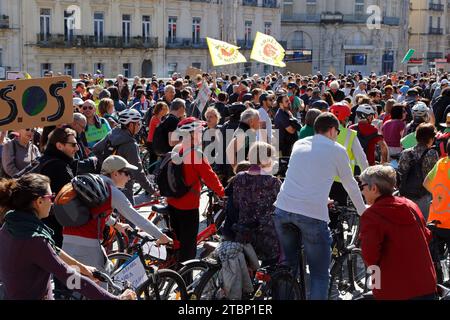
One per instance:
(28,130)
(88,108)
(362,185)
(337,129)
(73,144)
(125,172)
(51,197)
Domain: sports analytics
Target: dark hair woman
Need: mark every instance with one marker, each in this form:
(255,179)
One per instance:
(28,254)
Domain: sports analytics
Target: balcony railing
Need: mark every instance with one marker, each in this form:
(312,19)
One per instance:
(4,22)
(301,17)
(186,43)
(436,31)
(88,41)
(436,6)
(263,4)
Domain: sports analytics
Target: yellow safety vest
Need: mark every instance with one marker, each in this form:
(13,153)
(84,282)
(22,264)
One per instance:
(346,138)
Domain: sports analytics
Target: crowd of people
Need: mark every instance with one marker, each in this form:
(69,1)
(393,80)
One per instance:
(281,147)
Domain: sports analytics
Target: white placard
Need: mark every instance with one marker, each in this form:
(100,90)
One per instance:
(133,271)
(152,250)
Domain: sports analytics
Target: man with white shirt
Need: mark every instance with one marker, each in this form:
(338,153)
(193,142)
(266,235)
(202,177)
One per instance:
(265,133)
(303,199)
(362,89)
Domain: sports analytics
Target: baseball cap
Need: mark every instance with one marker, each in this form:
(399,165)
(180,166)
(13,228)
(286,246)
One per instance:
(445,82)
(116,163)
(78,101)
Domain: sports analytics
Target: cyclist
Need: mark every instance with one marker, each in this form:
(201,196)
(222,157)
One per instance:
(28,254)
(368,135)
(393,238)
(124,144)
(303,199)
(348,139)
(83,243)
(184,211)
(420,113)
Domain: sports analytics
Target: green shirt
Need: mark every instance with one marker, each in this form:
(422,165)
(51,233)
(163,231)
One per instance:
(409,141)
(93,134)
(306,132)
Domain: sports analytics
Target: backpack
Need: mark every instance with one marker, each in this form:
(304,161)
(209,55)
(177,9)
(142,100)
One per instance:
(411,184)
(35,166)
(169,177)
(109,150)
(441,143)
(365,140)
(71,211)
(159,144)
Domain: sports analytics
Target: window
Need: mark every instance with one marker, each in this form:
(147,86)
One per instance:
(266,69)
(127,70)
(359,7)
(311,7)
(146,28)
(430,22)
(297,40)
(197,65)
(1,57)
(248,33)
(171,68)
(394,8)
(126,28)
(288,7)
(172,29)
(69,25)
(248,67)
(439,22)
(45,67)
(99,67)
(69,69)
(99,24)
(196,30)
(355,59)
(268,28)
(45,24)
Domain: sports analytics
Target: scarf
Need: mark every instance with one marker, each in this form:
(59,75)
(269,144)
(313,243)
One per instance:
(25,225)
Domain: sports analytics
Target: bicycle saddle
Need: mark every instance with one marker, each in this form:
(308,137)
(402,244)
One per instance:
(161,209)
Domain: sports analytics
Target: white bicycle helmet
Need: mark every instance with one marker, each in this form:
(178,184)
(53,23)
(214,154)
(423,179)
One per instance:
(129,115)
(364,111)
(421,110)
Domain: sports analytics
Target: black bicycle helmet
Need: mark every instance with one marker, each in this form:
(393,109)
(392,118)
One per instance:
(91,189)
(321,105)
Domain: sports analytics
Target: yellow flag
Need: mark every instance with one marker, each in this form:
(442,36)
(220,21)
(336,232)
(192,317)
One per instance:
(223,53)
(27,75)
(267,50)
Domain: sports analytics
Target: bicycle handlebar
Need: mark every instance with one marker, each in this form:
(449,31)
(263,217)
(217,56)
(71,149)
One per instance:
(103,277)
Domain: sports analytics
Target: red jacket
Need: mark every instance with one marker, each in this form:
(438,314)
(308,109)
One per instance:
(394,240)
(196,168)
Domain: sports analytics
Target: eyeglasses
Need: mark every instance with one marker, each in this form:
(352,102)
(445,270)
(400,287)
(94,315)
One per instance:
(362,185)
(73,144)
(88,108)
(28,130)
(338,131)
(125,172)
(51,197)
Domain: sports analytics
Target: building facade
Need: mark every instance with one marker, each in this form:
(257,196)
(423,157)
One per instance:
(10,44)
(142,37)
(429,34)
(343,36)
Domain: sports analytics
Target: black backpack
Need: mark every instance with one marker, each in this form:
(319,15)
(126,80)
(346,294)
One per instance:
(109,150)
(35,166)
(169,177)
(365,140)
(411,184)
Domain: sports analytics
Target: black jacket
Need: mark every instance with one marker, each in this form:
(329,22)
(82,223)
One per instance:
(439,108)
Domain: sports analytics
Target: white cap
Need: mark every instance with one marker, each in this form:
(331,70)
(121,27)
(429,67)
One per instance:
(445,82)
(116,163)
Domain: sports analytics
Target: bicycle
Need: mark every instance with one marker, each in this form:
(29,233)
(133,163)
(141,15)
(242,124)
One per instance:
(439,253)
(147,165)
(148,281)
(347,270)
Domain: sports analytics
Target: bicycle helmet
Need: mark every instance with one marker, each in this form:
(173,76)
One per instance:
(190,124)
(321,105)
(129,115)
(91,189)
(364,111)
(341,111)
(420,109)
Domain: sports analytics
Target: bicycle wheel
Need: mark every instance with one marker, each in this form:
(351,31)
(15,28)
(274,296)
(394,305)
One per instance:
(192,272)
(169,285)
(281,286)
(118,259)
(209,286)
(348,276)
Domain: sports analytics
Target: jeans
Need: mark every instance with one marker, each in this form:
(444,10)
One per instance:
(316,239)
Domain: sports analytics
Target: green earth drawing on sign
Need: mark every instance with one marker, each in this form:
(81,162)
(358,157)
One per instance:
(34,100)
